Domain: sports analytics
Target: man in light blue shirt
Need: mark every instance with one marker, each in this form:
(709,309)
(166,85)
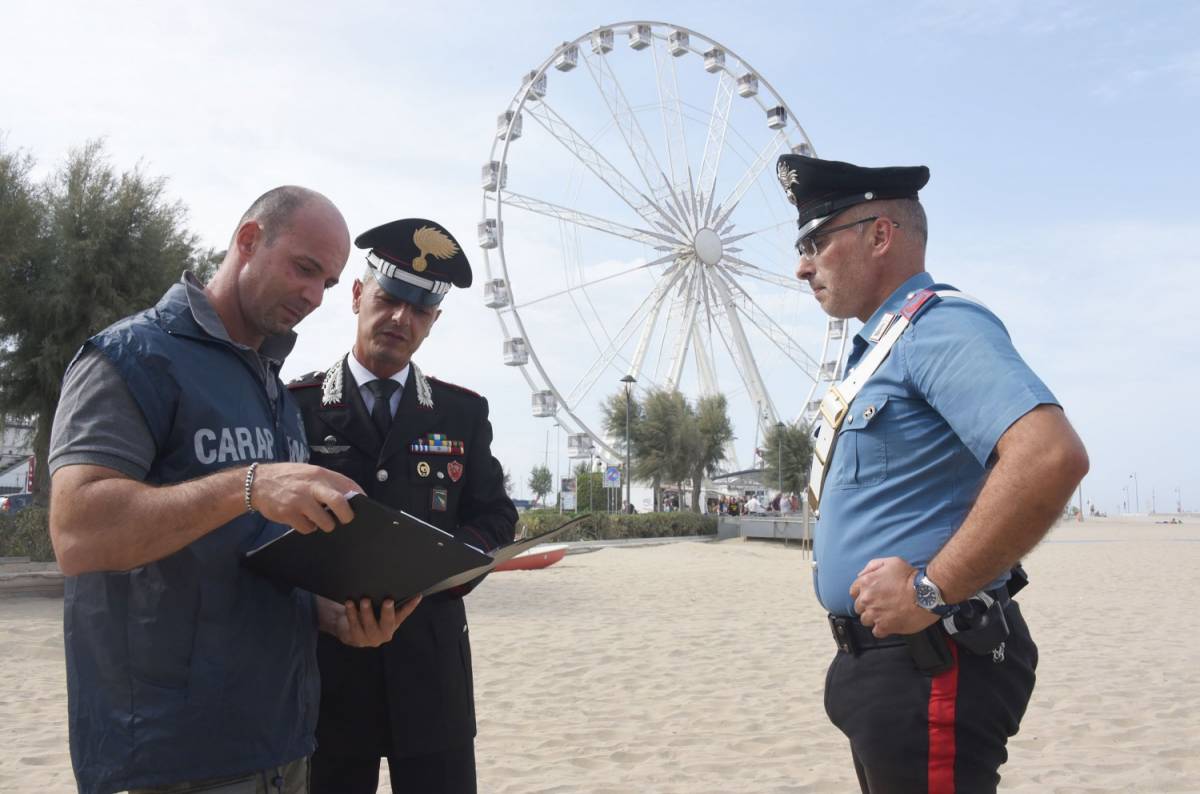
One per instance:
(951,462)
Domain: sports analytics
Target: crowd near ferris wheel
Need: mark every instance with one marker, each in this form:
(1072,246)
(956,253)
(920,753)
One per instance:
(633,230)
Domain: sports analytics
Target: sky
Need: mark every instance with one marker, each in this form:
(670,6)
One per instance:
(1061,138)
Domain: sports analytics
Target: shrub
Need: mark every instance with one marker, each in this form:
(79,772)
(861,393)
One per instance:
(618,526)
(27,534)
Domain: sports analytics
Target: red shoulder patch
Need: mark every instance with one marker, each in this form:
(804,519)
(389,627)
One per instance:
(454,386)
(307,381)
(918,300)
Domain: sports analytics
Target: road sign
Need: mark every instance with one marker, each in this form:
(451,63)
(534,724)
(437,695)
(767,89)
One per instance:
(612,477)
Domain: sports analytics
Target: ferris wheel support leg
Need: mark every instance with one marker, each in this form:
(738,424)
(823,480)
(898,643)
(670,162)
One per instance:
(749,367)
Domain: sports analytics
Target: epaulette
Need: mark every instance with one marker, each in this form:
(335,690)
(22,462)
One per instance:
(441,382)
(307,380)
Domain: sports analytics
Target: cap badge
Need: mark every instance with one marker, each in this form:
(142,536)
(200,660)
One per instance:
(431,242)
(787,178)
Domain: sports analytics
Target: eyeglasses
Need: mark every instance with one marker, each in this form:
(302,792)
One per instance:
(808,247)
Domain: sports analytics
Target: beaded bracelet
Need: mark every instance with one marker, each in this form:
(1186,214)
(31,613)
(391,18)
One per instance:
(248,485)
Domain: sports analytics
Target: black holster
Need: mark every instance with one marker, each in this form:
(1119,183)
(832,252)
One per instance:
(930,650)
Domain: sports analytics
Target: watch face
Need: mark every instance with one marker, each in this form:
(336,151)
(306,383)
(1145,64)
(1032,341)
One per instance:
(927,595)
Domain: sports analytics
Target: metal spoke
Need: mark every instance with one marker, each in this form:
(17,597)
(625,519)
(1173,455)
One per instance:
(774,331)
(660,292)
(744,268)
(655,299)
(598,164)
(571,248)
(765,155)
(745,355)
(768,228)
(718,123)
(704,366)
(627,123)
(593,282)
(676,300)
(672,116)
(684,336)
(561,213)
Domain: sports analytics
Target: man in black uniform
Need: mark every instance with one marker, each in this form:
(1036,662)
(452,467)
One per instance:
(422,446)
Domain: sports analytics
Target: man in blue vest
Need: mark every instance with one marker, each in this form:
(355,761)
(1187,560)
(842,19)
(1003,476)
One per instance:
(176,449)
(942,459)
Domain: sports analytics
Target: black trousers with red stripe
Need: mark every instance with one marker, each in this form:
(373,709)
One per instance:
(911,732)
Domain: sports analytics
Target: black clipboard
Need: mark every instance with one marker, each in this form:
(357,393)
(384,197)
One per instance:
(381,553)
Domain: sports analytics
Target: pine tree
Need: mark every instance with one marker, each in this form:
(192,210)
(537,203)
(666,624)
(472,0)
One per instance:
(79,251)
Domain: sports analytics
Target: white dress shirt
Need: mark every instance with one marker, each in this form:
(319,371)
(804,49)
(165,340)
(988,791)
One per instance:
(363,376)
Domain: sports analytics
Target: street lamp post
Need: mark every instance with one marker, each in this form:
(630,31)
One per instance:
(628,380)
(1137,502)
(558,463)
(779,467)
(779,456)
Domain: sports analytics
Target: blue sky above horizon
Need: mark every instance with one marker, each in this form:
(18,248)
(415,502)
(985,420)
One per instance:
(1061,137)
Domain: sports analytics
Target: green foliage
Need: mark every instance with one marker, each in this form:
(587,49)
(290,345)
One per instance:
(672,441)
(795,455)
(618,526)
(541,482)
(589,489)
(26,534)
(709,433)
(78,251)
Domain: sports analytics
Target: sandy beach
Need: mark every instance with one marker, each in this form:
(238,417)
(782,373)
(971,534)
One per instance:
(699,667)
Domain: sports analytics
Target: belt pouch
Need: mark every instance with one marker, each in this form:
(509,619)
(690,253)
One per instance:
(930,650)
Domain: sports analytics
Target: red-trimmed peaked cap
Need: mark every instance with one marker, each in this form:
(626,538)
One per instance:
(415,260)
(821,189)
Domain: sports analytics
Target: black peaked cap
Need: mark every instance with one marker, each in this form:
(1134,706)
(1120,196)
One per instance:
(822,188)
(415,260)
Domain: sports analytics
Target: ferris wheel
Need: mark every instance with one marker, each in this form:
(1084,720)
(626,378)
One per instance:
(633,227)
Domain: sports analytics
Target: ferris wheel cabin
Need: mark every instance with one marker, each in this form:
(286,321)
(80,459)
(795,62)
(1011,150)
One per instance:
(544,403)
(496,294)
(516,352)
(567,59)
(677,42)
(602,41)
(579,445)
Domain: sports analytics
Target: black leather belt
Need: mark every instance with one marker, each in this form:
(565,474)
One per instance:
(853,637)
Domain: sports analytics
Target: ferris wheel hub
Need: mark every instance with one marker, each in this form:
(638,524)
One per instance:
(707,244)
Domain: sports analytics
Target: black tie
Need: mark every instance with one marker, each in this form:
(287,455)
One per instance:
(381,414)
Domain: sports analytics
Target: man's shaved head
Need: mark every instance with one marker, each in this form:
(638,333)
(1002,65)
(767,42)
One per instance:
(274,210)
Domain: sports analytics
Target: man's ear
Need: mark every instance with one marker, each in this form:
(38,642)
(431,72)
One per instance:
(356,290)
(883,235)
(248,238)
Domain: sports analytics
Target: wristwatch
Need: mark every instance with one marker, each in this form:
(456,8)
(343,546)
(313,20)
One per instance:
(929,596)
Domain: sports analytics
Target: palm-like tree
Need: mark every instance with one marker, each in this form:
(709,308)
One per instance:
(541,482)
(709,437)
(795,457)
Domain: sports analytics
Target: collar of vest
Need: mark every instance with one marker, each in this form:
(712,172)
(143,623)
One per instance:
(174,311)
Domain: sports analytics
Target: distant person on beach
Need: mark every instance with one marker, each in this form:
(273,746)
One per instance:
(940,462)
(175,450)
(420,445)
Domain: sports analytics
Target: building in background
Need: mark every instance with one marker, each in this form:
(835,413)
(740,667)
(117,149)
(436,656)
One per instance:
(16,454)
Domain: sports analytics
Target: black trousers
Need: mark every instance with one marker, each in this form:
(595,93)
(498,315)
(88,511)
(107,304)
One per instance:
(911,732)
(448,772)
